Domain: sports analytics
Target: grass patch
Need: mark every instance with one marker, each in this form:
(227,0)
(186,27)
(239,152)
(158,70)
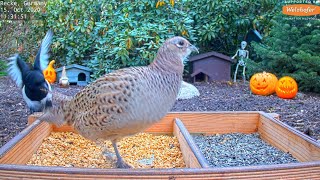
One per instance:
(3,68)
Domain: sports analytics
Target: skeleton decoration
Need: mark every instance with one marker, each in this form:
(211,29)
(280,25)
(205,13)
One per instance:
(243,56)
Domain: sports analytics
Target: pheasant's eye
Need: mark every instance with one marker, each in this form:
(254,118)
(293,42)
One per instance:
(180,44)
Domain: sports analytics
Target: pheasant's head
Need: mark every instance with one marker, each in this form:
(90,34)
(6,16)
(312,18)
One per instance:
(174,52)
(180,46)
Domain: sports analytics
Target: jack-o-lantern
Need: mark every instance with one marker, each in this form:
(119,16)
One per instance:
(49,73)
(287,88)
(263,83)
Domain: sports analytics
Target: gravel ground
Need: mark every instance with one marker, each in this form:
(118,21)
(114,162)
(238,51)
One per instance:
(237,149)
(301,113)
(13,111)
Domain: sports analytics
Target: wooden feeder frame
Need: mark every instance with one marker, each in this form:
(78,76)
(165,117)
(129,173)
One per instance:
(16,153)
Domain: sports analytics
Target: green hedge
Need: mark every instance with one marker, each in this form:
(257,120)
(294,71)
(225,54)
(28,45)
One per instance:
(107,35)
(110,34)
(293,48)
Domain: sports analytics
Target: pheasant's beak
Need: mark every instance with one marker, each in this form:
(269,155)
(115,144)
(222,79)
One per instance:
(193,48)
(48,104)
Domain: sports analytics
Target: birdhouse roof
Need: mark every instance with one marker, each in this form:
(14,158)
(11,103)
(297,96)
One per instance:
(74,66)
(208,54)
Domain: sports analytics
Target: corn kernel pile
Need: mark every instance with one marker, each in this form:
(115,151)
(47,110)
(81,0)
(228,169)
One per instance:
(143,150)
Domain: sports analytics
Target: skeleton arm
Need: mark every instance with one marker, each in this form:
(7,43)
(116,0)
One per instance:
(235,54)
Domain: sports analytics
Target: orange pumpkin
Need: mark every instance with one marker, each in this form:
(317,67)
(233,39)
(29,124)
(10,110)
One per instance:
(287,88)
(49,73)
(263,83)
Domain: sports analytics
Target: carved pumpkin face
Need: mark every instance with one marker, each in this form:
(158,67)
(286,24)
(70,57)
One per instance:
(49,73)
(287,88)
(263,83)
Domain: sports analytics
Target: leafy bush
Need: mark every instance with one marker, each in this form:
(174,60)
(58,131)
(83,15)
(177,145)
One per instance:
(3,67)
(73,24)
(110,34)
(293,49)
(221,25)
(107,35)
(16,37)
(131,32)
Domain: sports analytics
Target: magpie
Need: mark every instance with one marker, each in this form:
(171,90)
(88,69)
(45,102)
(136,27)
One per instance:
(36,91)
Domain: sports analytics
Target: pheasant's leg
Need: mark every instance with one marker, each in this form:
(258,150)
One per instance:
(105,151)
(120,162)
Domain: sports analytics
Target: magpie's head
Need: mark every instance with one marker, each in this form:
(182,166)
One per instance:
(35,82)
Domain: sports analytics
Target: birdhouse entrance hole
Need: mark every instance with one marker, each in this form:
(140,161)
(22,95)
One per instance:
(81,77)
(201,77)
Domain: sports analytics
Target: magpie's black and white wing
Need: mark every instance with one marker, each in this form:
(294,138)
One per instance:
(17,68)
(42,59)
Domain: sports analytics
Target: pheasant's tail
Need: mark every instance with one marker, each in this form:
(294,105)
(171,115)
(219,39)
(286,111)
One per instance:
(54,115)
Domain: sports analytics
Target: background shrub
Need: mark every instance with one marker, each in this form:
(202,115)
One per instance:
(292,48)
(221,25)
(107,35)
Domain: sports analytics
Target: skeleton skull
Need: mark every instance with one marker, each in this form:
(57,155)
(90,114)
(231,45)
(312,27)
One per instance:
(243,44)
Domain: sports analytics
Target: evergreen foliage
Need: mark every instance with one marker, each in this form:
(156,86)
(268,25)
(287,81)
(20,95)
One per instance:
(293,49)
(221,25)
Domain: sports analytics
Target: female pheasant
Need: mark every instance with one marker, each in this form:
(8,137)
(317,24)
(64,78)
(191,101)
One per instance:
(126,101)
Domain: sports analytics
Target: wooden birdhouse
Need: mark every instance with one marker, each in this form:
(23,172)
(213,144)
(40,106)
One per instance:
(77,74)
(211,66)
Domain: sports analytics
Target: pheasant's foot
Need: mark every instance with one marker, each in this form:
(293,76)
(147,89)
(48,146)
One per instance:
(122,164)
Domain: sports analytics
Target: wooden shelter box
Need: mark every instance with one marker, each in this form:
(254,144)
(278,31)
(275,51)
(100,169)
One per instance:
(211,66)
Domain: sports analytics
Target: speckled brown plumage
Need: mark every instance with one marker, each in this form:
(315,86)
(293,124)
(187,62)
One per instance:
(126,101)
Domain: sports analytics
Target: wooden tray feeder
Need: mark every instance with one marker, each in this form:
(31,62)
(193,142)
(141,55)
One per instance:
(15,154)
